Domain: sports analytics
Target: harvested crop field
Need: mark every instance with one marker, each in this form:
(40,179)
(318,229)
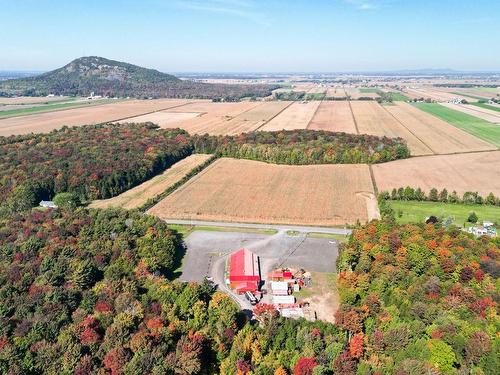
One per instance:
(296,116)
(433,93)
(47,121)
(32,99)
(216,118)
(461,172)
(438,135)
(373,119)
(164,119)
(248,191)
(479,128)
(336,92)
(482,113)
(139,195)
(335,116)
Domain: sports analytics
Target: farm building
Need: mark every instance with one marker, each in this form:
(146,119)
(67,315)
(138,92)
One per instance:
(244,272)
(279,275)
(279,288)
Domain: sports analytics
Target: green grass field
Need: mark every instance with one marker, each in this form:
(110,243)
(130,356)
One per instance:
(480,128)
(366,90)
(50,108)
(186,230)
(468,95)
(413,211)
(315,96)
(487,106)
(397,97)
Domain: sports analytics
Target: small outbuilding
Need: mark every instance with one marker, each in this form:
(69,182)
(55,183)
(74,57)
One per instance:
(48,204)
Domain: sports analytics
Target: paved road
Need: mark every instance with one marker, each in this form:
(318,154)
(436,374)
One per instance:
(298,228)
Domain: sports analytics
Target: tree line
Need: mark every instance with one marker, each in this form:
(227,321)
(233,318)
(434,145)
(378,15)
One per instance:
(303,146)
(97,161)
(434,195)
(419,299)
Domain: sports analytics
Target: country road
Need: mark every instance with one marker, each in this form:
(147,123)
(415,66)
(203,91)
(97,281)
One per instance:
(279,228)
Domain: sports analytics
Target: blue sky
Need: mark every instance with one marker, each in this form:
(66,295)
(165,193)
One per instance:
(253,35)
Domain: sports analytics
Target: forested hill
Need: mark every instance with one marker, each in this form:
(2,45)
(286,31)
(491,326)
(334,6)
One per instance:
(118,79)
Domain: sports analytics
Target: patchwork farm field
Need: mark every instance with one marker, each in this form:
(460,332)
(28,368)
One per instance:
(248,191)
(215,118)
(476,111)
(139,195)
(489,107)
(296,116)
(372,118)
(47,121)
(164,119)
(461,172)
(480,128)
(438,135)
(335,116)
(7,111)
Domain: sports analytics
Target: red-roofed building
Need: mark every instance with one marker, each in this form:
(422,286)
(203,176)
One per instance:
(244,272)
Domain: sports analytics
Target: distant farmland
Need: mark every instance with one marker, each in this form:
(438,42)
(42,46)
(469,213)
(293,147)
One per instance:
(471,124)
(436,134)
(250,191)
(47,121)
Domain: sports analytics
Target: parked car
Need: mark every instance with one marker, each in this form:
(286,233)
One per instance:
(251,298)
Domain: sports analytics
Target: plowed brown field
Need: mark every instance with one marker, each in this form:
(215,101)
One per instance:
(335,116)
(462,172)
(440,136)
(164,119)
(140,194)
(296,116)
(47,121)
(215,118)
(373,119)
(251,191)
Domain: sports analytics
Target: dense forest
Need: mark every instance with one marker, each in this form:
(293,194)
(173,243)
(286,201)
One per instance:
(118,79)
(417,299)
(98,161)
(304,147)
(87,291)
(91,292)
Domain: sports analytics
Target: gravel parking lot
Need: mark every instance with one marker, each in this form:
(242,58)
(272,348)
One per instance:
(206,248)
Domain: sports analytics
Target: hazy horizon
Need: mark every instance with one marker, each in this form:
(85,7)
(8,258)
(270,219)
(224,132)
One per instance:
(251,36)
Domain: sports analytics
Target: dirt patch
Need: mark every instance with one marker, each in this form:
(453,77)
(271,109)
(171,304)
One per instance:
(322,295)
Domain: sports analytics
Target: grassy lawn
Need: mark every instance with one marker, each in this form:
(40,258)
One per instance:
(50,108)
(397,97)
(367,90)
(333,236)
(468,95)
(315,96)
(186,230)
(480,128)
(413,211)
(487,106)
